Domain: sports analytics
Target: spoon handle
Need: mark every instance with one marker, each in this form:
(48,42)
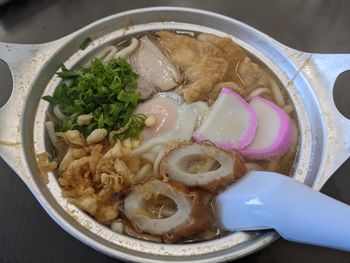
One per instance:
(265,200)
(306,216)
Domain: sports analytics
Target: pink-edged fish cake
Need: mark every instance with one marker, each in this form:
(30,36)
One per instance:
(274,131)
(230,124)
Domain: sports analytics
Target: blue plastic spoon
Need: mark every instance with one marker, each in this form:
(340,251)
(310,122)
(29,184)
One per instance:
(266,200)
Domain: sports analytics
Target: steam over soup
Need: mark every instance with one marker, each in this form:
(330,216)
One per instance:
(150,130)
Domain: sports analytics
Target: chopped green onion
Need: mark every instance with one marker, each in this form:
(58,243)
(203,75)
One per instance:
(108,91)
(85,43)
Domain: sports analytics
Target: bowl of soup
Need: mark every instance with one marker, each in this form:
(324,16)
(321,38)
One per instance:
(128,129)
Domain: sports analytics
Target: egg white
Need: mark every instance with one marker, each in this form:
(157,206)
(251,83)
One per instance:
(188,119)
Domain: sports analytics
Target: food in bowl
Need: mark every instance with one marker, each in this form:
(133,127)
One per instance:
(149,131)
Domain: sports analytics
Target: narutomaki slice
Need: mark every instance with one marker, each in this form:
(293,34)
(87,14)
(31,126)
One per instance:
(274,132)
(190,217)
(230,124)
(203,165)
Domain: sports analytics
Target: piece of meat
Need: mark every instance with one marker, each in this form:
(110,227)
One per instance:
(207,60)
(210,62)
(200,61)
(250,73)
(156,72)
(214,94)
(229,51)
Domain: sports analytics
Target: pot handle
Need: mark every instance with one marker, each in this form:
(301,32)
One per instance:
(328,67)
(24,62)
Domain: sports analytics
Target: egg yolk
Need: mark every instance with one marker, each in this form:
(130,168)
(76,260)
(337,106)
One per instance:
(166,112)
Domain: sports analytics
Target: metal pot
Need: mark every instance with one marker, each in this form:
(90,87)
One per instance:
(307,77)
